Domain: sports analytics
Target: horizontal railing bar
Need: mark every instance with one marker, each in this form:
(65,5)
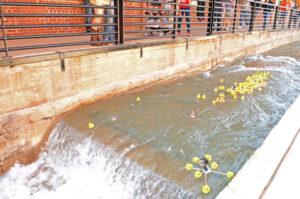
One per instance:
(54,25)
(161,23)
(160,2)
(162,9)
(56,35)
(161,16)
(53,5)
(162,30)
(54,45)
(53,15)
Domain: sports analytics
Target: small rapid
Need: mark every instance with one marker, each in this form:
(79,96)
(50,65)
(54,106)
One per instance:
(74,165)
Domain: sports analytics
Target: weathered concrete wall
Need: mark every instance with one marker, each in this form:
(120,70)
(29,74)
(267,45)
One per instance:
(35,91)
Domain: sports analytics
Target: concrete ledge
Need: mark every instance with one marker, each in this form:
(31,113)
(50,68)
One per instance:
(254,178)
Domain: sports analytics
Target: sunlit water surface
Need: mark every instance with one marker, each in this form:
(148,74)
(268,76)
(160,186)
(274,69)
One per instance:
(139,149)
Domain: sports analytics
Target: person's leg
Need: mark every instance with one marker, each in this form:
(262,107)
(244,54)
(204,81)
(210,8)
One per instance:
(268,15)
(265,18)
(188,20)
(105,28)
(246,14)
(179,21)
(88,21)
(97,20)
(218,16)
(219,24)
(241,17)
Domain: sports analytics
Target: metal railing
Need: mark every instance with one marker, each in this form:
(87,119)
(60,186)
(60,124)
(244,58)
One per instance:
(131,20)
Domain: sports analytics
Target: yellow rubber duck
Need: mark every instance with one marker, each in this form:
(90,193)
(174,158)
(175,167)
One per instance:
(197,174)
(205,189)
(91,125)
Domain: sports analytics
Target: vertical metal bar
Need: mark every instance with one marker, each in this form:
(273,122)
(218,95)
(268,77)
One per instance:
(252,17)
(282,18)
(116,20)
(290,20)
(3,30)
(175,20)
(211,14)
(275,18)
(234,20)
(120,21)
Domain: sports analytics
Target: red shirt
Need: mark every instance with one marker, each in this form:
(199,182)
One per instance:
(187,2)
(285,4)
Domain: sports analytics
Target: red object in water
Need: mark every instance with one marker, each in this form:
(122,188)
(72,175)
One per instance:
(192,115)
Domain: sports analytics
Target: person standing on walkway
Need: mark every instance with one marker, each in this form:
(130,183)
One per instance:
(244,13)
(200,10)
(268,7)
(229,13)
(296,15)
(98,20)
(184,10)
(284,7)
(257,5)
(218,14)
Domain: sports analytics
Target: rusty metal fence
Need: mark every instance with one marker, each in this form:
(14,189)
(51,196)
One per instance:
(125,21)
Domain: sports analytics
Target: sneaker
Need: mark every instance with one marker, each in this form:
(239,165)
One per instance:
(188,32)
(178,32)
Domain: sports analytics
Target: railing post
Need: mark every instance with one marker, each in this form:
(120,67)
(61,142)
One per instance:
(3,30)
(175,20)
(234,20)
(291,18)
(252,17)
(211,14)
(120,9)
(275,18)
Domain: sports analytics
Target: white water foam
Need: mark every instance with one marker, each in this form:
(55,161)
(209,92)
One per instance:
(75,166)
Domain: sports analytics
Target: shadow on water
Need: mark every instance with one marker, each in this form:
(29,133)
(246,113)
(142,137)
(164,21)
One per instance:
(139,149)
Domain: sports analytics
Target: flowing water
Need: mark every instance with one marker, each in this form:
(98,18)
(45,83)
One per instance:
(139,149)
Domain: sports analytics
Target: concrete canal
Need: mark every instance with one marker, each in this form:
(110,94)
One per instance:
(138,149)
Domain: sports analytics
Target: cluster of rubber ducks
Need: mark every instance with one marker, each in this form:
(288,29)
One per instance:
(257,81)
(205,168)
(221,96)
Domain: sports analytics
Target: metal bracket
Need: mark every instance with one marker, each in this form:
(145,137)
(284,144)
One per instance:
(186,44)
(62,61)
(141,49)
(7,61)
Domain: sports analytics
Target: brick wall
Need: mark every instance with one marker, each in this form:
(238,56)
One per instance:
(43,20)
(56,20)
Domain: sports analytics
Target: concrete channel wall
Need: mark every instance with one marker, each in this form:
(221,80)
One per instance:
(36,90)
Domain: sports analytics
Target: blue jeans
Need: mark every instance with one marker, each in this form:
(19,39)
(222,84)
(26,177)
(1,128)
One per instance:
(109,36)
(266,17)
(186,12)
(244,15)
